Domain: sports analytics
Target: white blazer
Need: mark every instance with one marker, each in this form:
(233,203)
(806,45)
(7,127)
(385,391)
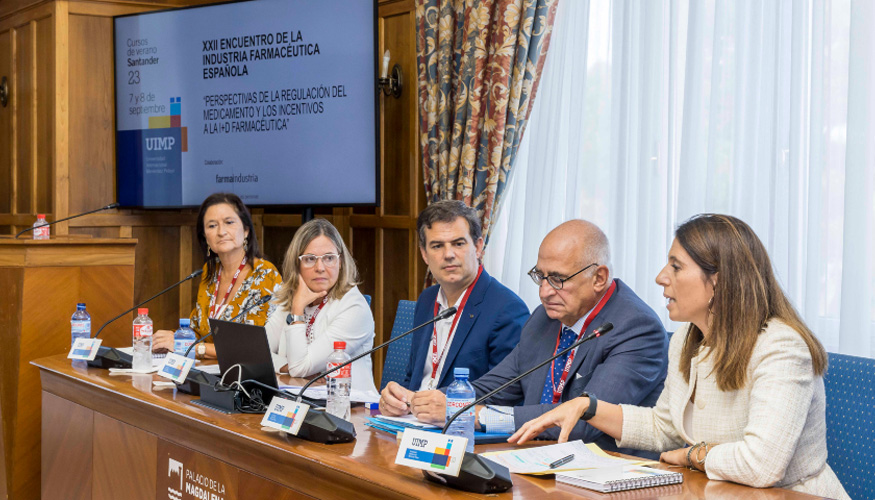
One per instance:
(772,432)
(348,319)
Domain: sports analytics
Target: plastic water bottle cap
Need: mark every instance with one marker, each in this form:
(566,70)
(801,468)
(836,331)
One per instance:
(461,372)
(40,216)
(143,311)
(80,305)
(184,322)
(339,345)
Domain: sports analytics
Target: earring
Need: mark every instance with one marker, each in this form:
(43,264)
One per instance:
(245,244)
(710,304)
(208,252)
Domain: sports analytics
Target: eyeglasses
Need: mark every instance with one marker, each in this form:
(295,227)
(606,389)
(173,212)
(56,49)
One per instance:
(328,260)
(555,281)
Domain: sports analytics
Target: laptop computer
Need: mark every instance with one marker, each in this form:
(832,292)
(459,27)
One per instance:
(246,345)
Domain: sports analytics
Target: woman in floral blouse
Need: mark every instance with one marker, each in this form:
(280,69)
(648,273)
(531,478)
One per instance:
(235,274)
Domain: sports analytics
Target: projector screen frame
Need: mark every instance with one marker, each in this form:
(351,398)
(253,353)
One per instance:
(286,206)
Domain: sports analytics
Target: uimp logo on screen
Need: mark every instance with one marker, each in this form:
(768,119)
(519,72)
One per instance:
(160,143)
(191,483)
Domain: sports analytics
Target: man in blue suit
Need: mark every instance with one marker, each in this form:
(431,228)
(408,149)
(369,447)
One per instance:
(578,294)
(487,325)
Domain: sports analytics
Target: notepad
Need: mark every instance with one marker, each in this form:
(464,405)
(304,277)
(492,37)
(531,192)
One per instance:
(613,479)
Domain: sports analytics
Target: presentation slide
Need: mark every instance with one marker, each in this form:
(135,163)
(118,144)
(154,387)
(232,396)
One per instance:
(273,100)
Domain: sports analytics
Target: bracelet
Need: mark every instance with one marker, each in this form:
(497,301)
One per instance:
(690,452)
(701,462)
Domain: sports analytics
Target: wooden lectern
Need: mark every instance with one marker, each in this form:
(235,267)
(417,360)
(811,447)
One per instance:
(40,283)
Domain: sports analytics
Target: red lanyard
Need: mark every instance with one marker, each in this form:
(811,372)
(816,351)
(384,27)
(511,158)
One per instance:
(313,320)
(557,391)
(435,359)
(215,308)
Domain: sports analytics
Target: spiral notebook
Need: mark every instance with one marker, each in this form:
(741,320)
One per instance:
(611,479)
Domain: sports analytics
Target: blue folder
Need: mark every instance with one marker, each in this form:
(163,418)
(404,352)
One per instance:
(394,428)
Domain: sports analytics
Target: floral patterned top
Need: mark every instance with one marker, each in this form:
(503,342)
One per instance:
(262,280)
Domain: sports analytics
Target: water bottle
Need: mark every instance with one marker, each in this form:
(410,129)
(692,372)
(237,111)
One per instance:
(184,338)
(41,228)
(80,324)
(142,341)
(460,394)
(339,382)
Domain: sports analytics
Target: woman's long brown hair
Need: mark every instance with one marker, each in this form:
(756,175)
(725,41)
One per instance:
(746,297)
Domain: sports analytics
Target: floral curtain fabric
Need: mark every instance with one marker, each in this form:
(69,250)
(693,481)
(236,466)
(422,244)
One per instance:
(479,62)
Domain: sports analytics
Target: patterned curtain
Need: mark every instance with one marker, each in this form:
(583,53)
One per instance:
(479,62)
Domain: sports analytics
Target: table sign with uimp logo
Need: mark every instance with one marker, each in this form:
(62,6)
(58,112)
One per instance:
(285,415)
(85,349)
(431,451)
(176,367)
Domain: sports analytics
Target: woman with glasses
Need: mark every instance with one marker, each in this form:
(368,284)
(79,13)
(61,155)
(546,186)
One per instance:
(318,305)
(236,275)
(744,397)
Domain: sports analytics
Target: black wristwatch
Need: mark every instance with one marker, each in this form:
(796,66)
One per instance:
(593,403)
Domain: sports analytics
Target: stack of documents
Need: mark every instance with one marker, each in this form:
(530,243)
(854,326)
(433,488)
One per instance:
(537,460)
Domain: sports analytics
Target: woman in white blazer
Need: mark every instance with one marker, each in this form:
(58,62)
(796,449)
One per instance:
(319,304)
(745,375)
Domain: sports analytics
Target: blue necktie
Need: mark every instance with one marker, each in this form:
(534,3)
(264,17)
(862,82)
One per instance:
(567,338)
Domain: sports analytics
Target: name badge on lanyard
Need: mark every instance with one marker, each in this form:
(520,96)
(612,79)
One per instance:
(557,390)
(435,357)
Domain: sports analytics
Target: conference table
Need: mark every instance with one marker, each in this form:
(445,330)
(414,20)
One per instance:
(118,436)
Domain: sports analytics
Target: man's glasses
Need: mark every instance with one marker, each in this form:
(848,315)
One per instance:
(555,281)
(328,260)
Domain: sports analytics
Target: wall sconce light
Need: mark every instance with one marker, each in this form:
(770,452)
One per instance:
(4,92)
(391,85)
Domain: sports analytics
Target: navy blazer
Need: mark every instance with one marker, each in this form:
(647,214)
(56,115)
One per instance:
(627,365)
(487,331)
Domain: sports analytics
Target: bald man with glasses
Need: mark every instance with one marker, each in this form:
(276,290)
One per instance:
(578,294)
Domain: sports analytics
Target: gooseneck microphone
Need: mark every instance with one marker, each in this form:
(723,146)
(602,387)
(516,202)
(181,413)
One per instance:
(446,313)
(322,427)
(481,475)
(108,207)
(239,315)
(108,357)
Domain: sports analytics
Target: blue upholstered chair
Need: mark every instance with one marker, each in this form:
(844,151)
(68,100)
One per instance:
(368,298)
(395,367)
(850,422)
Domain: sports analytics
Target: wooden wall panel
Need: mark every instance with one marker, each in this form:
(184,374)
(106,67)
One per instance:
(96,289)
(157,268)
(67,450)
(276,242)
(44,140)
(24,88)
(92,126)
(119,472)
(6,125)
(11,281)
(400,160)
(364,252)
(252,486)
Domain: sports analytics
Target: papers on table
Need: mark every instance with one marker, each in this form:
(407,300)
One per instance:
(211,369)
(537,460)
(321,392)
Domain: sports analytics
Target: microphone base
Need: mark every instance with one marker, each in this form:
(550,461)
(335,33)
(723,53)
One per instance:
(477,475)
(320,426)
(203,384)
(196,380)
(108,357)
